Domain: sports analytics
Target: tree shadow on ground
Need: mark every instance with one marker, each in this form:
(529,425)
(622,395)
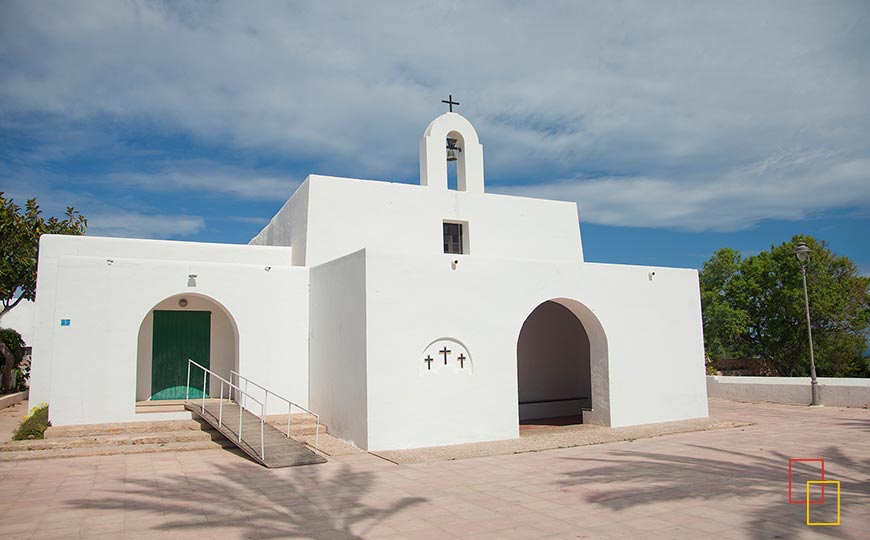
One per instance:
(757,485)
(313,501)
(854,423)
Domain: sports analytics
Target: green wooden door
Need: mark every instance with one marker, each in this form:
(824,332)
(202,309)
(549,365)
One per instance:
(179,335)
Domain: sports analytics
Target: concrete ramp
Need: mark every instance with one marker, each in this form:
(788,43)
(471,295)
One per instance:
(262,442)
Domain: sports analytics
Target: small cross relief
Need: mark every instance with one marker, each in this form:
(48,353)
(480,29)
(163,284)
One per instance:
(445,356)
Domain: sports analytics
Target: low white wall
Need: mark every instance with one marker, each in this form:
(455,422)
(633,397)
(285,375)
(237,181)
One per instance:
(834,392)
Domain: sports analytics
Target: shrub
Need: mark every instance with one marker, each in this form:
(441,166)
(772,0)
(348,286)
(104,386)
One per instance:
(11,354)
(34,424)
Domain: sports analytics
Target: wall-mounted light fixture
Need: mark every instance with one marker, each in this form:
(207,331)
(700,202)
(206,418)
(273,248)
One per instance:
(652,275)
(191,280)
(110,261)
(268,268)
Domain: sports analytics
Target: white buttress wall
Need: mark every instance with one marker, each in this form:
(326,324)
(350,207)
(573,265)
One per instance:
(338,346)
(655,340)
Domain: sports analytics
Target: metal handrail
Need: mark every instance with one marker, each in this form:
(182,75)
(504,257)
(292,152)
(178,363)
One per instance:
(289,403)
(221,403)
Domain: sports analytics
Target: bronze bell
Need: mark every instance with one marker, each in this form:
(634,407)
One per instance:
(452,150)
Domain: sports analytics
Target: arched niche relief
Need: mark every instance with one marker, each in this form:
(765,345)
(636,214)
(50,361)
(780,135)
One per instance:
(445,356)
(433,154)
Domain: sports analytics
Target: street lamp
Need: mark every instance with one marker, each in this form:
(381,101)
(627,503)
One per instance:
(802,252)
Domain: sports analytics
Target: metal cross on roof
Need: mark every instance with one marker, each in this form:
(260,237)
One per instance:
(449,101)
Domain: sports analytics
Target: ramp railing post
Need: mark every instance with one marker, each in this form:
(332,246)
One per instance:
(187,388)
(204,379)
(245,395)
(262,427)
(221,406)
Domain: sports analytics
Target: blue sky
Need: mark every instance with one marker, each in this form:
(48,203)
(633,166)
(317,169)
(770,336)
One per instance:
(677,127)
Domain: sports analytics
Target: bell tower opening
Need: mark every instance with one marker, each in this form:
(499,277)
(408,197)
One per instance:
(455,160)
(451,157)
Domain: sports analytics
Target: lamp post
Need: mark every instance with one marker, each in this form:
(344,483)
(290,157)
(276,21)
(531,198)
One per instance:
(802,252)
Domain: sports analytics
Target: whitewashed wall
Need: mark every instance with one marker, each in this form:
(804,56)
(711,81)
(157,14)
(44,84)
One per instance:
(289,227)
(654,347)
(345,215)
(338,347)
(87,371)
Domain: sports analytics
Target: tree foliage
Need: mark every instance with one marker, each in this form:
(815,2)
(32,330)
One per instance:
(19,253)
(11,355)
(19,246)
(754,306)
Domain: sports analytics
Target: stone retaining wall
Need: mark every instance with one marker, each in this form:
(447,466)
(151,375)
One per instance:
(834,392)
(11,399)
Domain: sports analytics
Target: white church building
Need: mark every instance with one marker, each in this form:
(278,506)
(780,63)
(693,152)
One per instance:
(404,315)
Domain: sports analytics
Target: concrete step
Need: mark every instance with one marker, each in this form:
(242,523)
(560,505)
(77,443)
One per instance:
(300,424)
(115,450)
(149,436)
(298,430)
(162,437)
(97,430)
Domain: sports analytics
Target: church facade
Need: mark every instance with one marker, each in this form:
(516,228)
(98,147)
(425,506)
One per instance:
(404,315)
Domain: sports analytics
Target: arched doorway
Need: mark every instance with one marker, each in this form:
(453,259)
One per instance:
(180,327)
(562,364)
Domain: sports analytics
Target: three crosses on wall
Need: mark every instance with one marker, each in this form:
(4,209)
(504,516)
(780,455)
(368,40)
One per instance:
(445,351)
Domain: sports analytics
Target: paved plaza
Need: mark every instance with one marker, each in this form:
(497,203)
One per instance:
(724,483)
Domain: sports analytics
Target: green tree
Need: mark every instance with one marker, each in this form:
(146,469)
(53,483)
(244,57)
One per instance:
(14,345)
(19,253)
(755,307)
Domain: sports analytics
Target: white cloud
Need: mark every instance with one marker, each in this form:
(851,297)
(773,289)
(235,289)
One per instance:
(684,114)
(136,225)
(734,200)
(208,177)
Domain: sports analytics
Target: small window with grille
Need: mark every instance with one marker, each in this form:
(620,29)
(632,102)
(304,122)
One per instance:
(454,237)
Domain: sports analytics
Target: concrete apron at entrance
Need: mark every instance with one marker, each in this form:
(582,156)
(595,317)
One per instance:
(545,435)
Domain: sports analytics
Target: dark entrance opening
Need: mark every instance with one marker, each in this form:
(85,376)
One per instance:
(553,366)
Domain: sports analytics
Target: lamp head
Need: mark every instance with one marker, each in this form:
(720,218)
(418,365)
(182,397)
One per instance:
(802,252)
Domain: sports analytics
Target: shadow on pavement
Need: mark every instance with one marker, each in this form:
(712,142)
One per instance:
(301,502)
(753,489)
